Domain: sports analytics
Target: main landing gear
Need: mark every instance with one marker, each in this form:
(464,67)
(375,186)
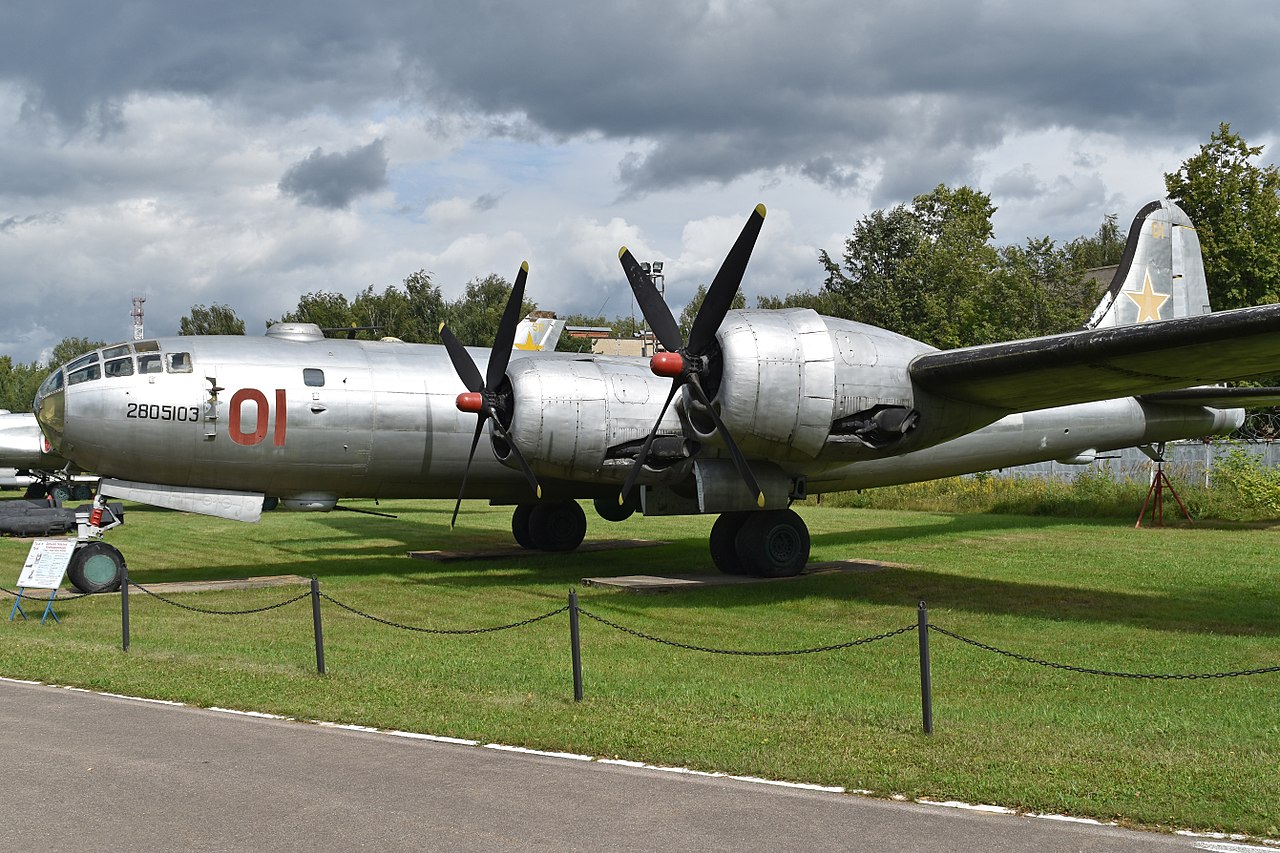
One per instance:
(769,544)
(549,525)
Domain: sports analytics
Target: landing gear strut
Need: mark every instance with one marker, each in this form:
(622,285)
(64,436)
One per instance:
(549,525)
(769,544)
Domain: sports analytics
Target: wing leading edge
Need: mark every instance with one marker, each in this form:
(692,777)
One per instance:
(1100,364)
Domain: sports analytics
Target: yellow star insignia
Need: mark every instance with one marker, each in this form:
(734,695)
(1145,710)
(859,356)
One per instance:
(528,343)
(1148,301)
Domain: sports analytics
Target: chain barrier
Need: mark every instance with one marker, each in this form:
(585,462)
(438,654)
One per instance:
(740,652)
(1085,670)
(60,599)
(219,612)
(421,630)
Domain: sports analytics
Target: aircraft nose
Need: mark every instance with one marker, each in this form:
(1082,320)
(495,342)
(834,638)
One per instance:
(50,409)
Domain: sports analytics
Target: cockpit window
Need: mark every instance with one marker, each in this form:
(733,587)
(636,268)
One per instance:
(51,383)
(116,351)
(313,377)
(150,363)
(91,358)
(179,362)
(84,374)
(146,346)
(119,367)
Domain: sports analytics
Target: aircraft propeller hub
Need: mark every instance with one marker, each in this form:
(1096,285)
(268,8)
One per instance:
(471,402)
(668,364)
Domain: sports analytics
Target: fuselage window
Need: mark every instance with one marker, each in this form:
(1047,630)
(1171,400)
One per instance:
(313,377)
(149,363)
(119,367)
(116,351)
(146,346)
(84,374)
(179,362)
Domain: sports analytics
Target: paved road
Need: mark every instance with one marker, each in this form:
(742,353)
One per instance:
(85,771)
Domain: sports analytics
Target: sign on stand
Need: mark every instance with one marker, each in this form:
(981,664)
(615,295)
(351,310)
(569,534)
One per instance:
(45,567)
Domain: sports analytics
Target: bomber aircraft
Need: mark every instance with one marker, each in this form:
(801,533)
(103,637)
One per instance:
(769,406)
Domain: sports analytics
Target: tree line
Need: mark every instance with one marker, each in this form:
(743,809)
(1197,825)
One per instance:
(928,269)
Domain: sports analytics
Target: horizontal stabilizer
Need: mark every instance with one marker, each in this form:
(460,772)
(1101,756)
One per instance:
(1100,364)
(1218,398)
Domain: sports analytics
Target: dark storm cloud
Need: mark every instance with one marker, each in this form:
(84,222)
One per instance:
(708,91)
(336,180)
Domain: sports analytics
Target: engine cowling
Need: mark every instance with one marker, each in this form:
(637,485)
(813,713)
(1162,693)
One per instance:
(794,384)
(587,417)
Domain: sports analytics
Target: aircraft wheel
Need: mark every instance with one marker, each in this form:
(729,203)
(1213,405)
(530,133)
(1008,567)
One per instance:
(773,544)
(557,525)
(610,510)
(270,503)
(520,526)
(723,533)
(82,492)
(96,567)
(60,492)
(35,490)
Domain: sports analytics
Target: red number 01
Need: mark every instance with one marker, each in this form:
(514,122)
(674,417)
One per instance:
(262,421)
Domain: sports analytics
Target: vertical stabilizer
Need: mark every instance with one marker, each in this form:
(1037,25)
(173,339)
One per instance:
(1161,275)
(538,331)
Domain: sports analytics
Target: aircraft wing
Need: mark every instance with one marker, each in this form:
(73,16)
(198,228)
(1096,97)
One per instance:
(1099,364)
(1220,398)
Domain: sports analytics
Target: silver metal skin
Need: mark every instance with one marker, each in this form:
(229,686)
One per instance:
(22,445)
(815,404)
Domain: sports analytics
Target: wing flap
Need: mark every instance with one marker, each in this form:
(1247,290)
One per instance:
(1100,364)
(1218,398)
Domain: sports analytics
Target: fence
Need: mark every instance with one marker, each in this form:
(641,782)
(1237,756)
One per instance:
(922,627)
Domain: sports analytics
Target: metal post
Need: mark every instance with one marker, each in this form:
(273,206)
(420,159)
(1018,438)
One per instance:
(315,620)
(926,686)
(124,608)
(575,644)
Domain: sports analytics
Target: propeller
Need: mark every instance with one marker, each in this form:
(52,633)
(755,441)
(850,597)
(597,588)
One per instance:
(687,363)
(482,397)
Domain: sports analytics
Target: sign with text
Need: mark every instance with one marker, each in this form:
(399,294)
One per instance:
(46,563)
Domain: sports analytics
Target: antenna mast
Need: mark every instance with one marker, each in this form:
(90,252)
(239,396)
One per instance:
(137,317)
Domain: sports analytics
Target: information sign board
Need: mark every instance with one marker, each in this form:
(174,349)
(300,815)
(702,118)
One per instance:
(46,563)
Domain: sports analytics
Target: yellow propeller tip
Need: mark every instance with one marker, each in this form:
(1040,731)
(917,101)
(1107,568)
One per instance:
(622,500)
(539,492)
(760,500)
(760,210)
(440,328)
(524,265)
(622,251)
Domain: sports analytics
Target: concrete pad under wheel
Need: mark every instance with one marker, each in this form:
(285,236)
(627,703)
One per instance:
(679,580)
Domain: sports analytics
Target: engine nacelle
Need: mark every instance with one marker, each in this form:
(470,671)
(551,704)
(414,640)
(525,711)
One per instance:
(587,418)
(794,383)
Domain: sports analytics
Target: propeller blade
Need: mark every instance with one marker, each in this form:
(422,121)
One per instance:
(475,440)
(725,285)
(463,364)
(652,305)
(634,473)
(515,451)
(501,355)
(739,461)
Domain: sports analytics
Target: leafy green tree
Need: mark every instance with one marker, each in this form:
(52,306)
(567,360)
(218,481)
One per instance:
(213,320)
(18,384)
(426,309)
(691,308)
(327,310)
(1103,249)
(1235,206)
(71,348)
(474,317)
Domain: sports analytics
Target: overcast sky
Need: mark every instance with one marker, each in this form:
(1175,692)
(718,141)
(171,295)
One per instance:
(247,153)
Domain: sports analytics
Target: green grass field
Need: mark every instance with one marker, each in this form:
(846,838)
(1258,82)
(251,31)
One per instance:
(1202,754)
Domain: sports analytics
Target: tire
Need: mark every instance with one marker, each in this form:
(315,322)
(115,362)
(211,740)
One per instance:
(557,525)
(82,492)
(268,504)
(60,492)
(35,490)
(723,534)
(520,526)
(773,544)
(96,567)
(610,510)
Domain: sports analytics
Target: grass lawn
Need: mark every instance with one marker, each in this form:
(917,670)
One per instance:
(1200,754)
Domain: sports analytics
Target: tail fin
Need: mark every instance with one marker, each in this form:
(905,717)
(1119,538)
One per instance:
(539,331)
(1161,275)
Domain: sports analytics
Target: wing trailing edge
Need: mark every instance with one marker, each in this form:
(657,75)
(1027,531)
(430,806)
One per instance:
(1104,363)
